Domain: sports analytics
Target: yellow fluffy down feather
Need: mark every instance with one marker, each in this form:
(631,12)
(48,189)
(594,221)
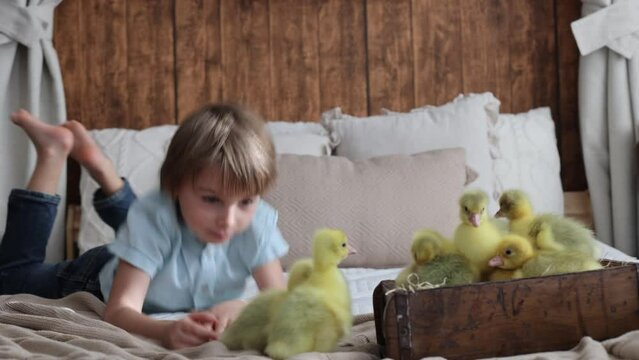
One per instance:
(547,231)
(517,257)
(250,329)
(477,236)
(316,314)
(435,262)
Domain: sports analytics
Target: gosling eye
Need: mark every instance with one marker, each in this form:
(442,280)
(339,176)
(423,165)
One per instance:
(466,209)
(343,245)
(508,252)
(482,210)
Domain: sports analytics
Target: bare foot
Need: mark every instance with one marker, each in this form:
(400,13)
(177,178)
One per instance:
(85,150)
(90,156)
(51,141)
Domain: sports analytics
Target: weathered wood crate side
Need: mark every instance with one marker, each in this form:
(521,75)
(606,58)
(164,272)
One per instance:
(507,317)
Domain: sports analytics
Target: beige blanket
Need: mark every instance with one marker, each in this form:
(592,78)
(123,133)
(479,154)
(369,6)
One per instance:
(33,327)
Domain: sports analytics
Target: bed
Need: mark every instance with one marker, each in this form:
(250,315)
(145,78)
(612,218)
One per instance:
(360,96)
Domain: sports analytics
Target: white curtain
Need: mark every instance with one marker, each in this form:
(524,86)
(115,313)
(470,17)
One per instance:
(608,38)
(29,78)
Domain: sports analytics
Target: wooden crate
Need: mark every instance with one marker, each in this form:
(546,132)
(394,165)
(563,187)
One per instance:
(507,317)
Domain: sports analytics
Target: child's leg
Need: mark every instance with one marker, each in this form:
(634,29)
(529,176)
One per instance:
(86,152)
(52,143)
(32,211)
(114,197)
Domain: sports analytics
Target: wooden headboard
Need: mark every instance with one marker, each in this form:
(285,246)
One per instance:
(139,63)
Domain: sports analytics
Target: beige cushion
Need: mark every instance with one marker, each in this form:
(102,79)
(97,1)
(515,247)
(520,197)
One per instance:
(464,122)
(379,202)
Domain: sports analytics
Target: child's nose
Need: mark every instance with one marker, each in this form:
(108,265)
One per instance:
(227,217)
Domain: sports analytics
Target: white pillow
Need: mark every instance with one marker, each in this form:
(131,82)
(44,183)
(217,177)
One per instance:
(138,156)
(524,150)
(464,122)
(300,138)
(527,158)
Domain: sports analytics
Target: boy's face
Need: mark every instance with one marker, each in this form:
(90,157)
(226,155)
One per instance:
(213,214)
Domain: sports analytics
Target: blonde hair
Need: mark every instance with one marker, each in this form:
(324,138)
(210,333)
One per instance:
(226,136)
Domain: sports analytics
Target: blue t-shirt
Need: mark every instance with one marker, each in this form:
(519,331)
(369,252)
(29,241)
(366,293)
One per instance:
(185,273)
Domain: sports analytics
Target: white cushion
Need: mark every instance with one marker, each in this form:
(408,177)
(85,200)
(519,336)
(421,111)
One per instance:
(527,158)
(138,156)
(464,122)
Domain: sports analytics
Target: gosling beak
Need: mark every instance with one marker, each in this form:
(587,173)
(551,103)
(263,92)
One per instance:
(351,250)
(497,261)
(474,219)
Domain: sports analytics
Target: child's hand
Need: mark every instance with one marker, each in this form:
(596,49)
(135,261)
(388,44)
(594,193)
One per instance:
(225,313)
(195,329)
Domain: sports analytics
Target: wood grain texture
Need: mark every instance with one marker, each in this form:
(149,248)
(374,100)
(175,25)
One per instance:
(198,54)
(69,42)
(136,63)
(485,50)
(532,48)
(437,43)
(573,173)
(150,69)
(246,55)
(104,101)
(510,317)
(390,55)
(342,57)
(118,68)
(295,59)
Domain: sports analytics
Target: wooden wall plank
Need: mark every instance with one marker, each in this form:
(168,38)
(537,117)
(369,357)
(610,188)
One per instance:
(437,45)
(198,54)
(68,39)
(150,69)
(104,99)
(484,47)
(573,173)
(342,56)
(119,69)
(390,55)
(246,55)
(532,49)
(295,59)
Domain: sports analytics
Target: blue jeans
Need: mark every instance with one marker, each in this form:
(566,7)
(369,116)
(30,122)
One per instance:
(30,217)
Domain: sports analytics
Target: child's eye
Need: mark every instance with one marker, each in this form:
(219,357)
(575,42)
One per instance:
(247,202)
(210,199)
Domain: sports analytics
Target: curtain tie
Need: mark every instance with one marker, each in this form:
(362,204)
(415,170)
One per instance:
(615,26)
(26,25)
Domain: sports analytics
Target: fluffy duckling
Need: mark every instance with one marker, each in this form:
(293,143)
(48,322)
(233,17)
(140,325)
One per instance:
(300,271)
(317,312)
(515,206)
(436,261)
(476,237)
(546,231)
(516,256)
(249,330)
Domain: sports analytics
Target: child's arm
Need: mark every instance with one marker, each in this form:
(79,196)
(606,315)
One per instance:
(267,276)
(270,276)
(124,309)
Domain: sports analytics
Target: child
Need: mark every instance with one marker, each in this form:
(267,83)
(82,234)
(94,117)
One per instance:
(189,246)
